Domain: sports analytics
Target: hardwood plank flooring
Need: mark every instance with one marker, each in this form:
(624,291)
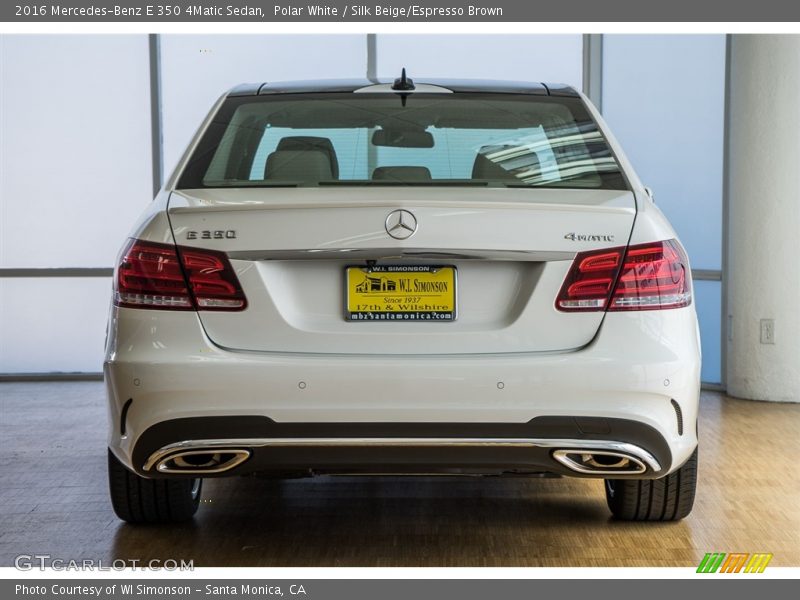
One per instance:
(53,499)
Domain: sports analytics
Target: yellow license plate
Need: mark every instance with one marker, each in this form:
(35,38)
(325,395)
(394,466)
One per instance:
(401,293)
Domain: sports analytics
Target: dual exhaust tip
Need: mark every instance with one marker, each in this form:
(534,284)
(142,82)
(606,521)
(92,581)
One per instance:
(600,462)
(583,461)
(203,462)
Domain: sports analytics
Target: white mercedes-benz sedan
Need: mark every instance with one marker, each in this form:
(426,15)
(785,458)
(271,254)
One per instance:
(363,277)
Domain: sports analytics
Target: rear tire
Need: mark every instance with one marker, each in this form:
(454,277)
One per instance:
(667,499)
(139,500)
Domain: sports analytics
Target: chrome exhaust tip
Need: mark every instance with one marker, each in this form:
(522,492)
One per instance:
(203,461)
(600,462)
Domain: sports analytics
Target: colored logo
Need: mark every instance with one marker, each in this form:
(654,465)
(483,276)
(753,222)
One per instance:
(720,562)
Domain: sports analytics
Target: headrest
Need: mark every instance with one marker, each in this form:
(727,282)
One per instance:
(298,165)
(401,174)
(307,142)
(503,161)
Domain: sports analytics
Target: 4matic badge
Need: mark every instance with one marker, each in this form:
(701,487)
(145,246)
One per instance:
(589,237)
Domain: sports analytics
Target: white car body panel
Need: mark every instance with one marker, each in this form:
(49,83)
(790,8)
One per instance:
(173,370)
(298,242)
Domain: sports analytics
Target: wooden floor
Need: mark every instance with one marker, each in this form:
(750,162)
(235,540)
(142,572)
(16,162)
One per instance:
(53,500)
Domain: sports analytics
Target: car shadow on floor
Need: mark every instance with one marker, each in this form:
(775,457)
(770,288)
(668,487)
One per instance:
(391,521)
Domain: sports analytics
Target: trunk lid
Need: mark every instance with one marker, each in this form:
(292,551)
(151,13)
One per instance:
(511,249)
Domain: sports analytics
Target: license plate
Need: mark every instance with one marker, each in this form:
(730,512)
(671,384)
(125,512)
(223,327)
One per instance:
(400,293)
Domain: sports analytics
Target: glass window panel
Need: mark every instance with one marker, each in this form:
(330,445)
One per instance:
(75,147)
(664,98)
(477,138)
(53,324)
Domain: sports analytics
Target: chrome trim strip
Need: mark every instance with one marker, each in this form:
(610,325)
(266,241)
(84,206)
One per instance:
(630,450)
(397,253)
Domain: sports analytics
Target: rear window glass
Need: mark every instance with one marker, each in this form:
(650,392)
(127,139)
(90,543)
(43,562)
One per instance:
(496,140)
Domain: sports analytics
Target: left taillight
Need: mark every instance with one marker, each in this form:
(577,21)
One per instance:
(161,276)
(652,276)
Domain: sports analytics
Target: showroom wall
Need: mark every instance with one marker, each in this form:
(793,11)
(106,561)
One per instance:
(75,170)
(664,97)
(197,69)
(70,190)
(557,58)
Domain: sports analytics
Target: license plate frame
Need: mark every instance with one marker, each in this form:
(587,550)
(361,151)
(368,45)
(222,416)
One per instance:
(431,304)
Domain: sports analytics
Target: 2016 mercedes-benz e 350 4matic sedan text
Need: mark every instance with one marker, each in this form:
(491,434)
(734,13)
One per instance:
(359,277)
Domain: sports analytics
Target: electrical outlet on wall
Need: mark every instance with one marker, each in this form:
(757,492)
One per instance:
(767,331)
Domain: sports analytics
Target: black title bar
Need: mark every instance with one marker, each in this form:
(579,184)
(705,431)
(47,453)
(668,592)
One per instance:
(413,11)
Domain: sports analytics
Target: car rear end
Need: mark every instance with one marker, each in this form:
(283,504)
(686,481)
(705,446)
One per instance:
(455,278)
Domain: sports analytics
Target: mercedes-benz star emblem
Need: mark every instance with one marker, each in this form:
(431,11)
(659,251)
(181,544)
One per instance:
(401,224)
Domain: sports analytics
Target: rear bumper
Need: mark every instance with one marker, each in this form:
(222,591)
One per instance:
(184,389)
(256,444)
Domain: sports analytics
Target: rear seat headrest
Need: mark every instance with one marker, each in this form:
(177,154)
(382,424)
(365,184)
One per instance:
(298,165)
(308,142)
(501,162)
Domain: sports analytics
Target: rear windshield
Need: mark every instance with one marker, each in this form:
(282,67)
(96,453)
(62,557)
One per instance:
(376,139)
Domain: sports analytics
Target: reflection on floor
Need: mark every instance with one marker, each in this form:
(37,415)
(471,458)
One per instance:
(53,500)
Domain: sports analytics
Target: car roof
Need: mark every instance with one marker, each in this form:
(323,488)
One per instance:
(363,85)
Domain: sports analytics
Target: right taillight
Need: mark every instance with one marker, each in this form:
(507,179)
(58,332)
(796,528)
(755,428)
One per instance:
(642,277)
(153,275)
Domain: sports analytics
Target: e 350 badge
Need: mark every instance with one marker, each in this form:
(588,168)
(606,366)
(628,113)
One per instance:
(211,234)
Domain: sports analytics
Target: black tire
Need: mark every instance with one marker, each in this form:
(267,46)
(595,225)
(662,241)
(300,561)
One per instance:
(139,500)
(667,499)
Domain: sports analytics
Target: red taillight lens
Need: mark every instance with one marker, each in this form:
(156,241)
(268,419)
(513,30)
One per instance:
(648,277)
(654,276)
(152,275)
(212,280)
(149,275)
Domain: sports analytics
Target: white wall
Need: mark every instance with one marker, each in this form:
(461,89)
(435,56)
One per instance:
(75,162)
(53,324)
(75,147)
(664,98)
(548,58)
(197,69)
(764,177)
(75,170)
